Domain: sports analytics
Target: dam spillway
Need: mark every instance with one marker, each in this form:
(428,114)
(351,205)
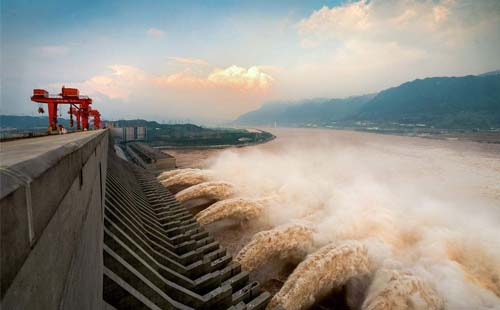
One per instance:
(151,242)
(84,229)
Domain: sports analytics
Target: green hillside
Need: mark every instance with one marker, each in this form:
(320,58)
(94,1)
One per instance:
(468,102)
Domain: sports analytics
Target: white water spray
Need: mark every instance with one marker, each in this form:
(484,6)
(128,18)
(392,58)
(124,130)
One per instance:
(393,289)
(321,272)
(429,207)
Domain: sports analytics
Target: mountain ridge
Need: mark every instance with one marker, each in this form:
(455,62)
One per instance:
(471,101)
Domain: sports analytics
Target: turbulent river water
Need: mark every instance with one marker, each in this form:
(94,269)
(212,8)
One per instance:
(402,216)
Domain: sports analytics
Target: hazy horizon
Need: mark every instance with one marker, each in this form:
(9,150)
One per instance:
(211,62)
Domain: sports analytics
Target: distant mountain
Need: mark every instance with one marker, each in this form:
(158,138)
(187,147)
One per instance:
(306,111)
(496,72)
(27,122)
(444,102)
(8,122)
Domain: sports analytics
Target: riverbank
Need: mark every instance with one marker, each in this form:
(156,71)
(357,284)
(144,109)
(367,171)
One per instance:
(198,156)
(222,146)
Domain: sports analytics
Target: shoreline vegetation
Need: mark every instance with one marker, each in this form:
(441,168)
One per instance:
(220,146)
(190,136)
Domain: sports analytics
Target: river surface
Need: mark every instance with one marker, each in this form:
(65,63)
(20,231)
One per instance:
(425,206)
(469,167)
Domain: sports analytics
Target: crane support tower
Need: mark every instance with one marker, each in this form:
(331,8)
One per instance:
(97,118)
(69,96)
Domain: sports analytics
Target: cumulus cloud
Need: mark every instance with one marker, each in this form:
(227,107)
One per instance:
(241,78)
(223,93)
(155,33)
(337,22)
(182,79)
(53,50)
(366,46)
(119,84)
(189,61)
(234,77)
(356,47)
(409,21)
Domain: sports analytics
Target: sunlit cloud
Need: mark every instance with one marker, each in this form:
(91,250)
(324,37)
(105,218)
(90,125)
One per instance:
(231,61)
(251,79)
(222,93)
(189,61)
(335,23)
(120,83)
(365,46)
(241,78)
(408,22)
(182,79)
(155,33)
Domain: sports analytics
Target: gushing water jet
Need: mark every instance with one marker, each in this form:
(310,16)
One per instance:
(240,209)
(170,173)
(286,241)
(209,190)
(321,272)
(393,289)
(479,267)
(188,178)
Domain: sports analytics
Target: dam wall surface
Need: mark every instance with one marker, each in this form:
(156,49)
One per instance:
(156,256)
(51,208)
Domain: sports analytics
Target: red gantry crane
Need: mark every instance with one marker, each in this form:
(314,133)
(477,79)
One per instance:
(74,111)
(70,96)
(97,118)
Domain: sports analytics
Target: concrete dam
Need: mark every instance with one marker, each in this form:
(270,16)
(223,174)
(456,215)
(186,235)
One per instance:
(82,228)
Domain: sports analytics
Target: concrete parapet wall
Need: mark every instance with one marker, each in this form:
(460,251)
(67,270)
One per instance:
(51,208)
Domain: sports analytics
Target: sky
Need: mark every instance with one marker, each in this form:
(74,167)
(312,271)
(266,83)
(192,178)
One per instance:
(211,61)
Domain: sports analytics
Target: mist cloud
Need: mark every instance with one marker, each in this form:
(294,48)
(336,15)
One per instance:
(409,204)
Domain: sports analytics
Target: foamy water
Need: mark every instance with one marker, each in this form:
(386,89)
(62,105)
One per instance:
(189,177)
(327,269)
(425,208)
(210,190)
(237,208)
(289,241)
